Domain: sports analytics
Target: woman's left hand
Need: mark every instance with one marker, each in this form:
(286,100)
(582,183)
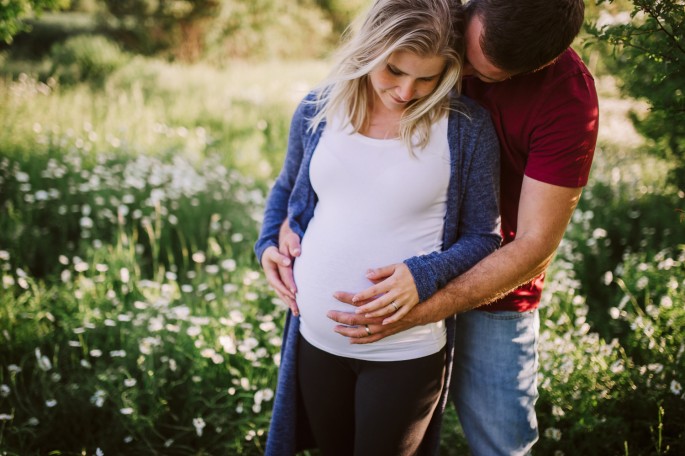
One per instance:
(394,292)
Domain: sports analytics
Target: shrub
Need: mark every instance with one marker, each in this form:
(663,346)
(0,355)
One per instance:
(86,58)
(649,58)
(13,13)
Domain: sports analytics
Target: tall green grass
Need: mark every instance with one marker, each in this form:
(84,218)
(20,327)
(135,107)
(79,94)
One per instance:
(135,320)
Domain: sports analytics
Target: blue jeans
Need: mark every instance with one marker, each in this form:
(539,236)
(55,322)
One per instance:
(494,383)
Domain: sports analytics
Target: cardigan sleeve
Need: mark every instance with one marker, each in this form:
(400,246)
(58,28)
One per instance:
(277,203)
(478,224)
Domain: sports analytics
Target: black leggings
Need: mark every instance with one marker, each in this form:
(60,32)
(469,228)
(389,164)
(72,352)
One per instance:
(372,408)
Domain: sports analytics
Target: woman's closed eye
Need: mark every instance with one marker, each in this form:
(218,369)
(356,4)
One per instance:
(394,71)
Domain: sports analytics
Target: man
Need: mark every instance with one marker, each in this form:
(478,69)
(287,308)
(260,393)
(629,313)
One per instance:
(544,106)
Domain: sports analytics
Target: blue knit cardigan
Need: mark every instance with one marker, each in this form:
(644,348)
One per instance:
(471,232)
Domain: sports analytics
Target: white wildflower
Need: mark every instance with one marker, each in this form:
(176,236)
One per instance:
(199,425)
(642,282)
(228,344)
(655,367)
(608,278)
(267,326)
(553,433)
(98,398)
(666,302)
(676,387)
(4,390)
(43,362)
(199,257)
(230,288)
(86,223)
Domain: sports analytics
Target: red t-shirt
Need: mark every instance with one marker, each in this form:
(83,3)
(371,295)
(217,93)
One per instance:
(546,123)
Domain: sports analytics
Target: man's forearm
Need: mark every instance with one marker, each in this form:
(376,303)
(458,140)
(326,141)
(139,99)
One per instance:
(544,213)
(490,279)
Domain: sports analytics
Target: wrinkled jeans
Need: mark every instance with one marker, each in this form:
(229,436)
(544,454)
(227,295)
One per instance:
(494,383)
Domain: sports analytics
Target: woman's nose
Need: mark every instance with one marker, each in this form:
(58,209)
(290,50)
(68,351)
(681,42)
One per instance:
(406,90)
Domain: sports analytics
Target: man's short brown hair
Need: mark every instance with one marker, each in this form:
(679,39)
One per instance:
(525,35)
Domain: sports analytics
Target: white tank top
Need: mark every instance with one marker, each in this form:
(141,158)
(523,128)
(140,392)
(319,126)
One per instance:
(377,206)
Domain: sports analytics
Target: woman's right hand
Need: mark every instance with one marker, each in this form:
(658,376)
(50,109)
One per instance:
(278,271)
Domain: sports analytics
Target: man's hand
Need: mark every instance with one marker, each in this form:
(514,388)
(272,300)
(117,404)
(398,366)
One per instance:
(394,291)
(354,326)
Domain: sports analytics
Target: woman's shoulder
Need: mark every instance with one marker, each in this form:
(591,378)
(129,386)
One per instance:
(470,122)
(463,107)
(308,106)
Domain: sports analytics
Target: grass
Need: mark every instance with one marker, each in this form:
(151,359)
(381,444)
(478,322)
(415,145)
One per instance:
(134,318)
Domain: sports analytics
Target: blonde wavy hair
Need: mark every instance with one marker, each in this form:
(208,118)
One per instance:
(426,28)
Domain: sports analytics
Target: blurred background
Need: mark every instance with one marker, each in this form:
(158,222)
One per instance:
(138,140)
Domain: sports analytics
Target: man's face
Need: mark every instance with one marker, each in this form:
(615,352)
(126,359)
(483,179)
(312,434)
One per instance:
(477,64)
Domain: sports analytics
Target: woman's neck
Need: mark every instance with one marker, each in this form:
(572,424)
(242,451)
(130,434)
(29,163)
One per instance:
(382,123)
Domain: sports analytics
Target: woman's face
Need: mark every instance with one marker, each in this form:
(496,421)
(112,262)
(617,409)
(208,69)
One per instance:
(405,77)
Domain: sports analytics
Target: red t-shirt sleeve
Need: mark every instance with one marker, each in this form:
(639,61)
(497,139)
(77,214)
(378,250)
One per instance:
(563,139)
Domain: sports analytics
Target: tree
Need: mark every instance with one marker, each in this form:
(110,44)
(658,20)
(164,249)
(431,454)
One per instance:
(12,13)
(649,59)
(193,29)
(155,25)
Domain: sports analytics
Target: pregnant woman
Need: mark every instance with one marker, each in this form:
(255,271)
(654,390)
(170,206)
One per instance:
(386,163)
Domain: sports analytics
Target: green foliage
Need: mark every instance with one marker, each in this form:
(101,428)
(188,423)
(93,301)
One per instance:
(83,58)
(153,333)
(192,29)
(611,353)
(154,26)
(649,58)
(341,12)
(49,29)
(13,12)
